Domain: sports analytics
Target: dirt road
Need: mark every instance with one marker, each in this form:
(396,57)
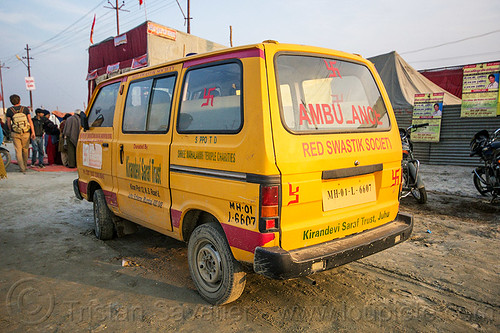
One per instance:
(55,276)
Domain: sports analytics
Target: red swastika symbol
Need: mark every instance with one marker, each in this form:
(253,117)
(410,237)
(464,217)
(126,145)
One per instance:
(209,97)
(335,71)
(291,193)
(395,177)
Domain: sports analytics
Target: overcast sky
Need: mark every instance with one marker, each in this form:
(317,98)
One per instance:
(450,32)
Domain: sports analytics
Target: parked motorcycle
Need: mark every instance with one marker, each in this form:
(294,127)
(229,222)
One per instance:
(487,177)
(5,156)
(5,153)
(411,180)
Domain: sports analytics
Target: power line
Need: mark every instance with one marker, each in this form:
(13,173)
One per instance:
(11,59)
(452,42)
(457,57)
(77,32)
(134,18)
(70,26)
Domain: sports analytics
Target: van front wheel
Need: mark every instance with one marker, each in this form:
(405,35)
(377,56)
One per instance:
(216,274)
(103,217)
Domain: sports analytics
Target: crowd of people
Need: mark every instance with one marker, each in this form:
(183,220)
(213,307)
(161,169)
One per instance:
(48,135)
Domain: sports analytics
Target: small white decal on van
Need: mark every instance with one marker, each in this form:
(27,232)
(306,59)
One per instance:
(92,155)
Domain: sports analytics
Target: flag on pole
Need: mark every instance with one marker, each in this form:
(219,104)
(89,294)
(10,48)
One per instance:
(141,2)
(92,31)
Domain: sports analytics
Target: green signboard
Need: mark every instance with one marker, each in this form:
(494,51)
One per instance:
(428,108)
(480,90)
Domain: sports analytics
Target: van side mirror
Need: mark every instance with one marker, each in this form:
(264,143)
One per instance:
(84,121)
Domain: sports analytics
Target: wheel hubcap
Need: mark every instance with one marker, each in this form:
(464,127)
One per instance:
(209,264)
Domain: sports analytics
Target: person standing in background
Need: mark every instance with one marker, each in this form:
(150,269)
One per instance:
(21,126)
(6,129)
(63,141)
(3,172)
(51,138)
(37,142)
(71,131)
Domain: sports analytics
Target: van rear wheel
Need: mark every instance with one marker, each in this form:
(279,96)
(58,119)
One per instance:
(218,277)
(103,217)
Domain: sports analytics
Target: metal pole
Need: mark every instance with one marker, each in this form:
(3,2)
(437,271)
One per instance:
(189,16)
(1,84)
(29,74)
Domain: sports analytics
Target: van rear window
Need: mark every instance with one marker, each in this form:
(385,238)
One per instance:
(325,94)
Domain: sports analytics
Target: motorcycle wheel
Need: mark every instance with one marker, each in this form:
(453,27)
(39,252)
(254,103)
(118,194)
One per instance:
(5,157)
(478,184)
(420,194)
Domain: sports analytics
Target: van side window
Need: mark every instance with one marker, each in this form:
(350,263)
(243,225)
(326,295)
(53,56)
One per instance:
(148,104)
(136,106)
(212,100)
(161,103)
(102,111)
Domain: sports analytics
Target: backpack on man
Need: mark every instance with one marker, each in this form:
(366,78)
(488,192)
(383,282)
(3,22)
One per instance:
(20,123)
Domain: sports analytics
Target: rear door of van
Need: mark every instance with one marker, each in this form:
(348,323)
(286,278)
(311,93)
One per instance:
(336,145)
(142,151)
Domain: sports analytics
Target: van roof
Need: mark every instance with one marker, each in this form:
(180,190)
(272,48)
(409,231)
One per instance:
(193,59)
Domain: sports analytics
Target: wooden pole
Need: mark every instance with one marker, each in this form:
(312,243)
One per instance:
(189,17)
(231,35)
(29,74)
(117,19)
(1,84)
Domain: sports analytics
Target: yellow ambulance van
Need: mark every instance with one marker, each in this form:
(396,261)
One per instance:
(284,160)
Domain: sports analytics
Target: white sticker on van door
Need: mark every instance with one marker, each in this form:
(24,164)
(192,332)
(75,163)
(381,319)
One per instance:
(85,154)
(92,155)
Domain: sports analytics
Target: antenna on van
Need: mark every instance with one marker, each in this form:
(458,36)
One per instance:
(231,35)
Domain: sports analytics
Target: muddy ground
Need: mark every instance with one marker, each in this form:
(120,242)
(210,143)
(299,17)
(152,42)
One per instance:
(55,276)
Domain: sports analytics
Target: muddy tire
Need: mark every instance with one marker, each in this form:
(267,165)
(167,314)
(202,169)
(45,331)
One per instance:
(218,277)
(478,184)
(103,217)
(5,157)
(420,194)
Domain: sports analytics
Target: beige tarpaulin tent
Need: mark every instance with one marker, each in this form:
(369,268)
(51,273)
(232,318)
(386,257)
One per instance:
(402,81)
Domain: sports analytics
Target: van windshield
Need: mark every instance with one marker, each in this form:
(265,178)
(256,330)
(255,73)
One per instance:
(325,94)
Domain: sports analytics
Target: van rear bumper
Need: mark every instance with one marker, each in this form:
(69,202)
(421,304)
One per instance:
(276,263)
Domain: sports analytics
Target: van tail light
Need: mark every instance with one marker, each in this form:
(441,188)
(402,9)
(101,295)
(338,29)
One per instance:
(269,208)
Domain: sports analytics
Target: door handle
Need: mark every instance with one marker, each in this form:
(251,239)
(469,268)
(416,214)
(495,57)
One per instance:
(121,154)
(105,145)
